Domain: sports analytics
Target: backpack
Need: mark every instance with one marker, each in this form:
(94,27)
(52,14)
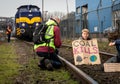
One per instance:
(39,34)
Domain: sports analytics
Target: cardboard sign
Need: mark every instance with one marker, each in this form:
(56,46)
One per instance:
(111,67)
(86,52)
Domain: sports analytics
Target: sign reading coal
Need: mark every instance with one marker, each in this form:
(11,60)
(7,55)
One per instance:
(86,52)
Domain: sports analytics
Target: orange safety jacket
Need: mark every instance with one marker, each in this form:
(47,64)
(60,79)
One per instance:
(8,31)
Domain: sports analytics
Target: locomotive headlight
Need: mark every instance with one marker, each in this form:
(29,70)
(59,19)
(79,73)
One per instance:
(23,24)
(37,24)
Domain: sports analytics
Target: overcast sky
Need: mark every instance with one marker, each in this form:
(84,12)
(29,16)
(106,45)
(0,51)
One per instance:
(8,8)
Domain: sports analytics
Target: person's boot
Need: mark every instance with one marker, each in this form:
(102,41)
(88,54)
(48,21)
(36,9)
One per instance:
(48,65)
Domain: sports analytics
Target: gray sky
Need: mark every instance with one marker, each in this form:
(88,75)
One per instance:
(8,8)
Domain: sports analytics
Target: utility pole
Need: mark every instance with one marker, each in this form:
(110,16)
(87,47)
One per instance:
(113,25)
(67,6)
(99,27)
(43,10)
(67,35)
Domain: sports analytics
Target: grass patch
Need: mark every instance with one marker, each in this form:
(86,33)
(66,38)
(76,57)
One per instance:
(57,76)
(8,63)
(104,46)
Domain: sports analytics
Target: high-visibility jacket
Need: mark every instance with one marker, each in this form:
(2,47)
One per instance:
(48,35)
(8,30)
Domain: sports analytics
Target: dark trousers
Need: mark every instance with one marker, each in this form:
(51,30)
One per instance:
(52,57)
(118,50)
(9,35)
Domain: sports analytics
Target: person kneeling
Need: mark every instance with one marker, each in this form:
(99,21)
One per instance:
(48,50)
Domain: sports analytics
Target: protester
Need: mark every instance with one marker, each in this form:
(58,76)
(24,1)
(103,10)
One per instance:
(48,51)
(117,44)
(8,32)
(85,34)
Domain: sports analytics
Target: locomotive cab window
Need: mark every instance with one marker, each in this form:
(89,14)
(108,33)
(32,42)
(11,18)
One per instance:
(23,10)
(34,10)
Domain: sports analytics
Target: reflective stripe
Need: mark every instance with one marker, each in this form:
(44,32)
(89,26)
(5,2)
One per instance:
(49,34)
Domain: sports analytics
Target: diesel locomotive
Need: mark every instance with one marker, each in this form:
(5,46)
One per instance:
(27,18)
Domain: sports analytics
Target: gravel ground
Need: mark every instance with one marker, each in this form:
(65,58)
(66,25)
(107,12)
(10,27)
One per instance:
(95,71)
(30,73)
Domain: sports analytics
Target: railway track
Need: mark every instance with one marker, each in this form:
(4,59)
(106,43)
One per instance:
(100,52)
(30,73)
(88,74)
(78,73)
(95,71)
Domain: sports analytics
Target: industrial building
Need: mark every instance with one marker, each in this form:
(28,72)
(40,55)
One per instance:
(97,15)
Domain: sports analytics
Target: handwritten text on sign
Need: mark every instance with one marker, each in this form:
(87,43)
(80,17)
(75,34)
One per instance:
(86,52)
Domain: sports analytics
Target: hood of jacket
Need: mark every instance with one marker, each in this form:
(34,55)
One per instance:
(51,22)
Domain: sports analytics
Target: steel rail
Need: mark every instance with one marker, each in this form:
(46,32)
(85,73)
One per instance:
(100,52)
(109,54)
(79,72)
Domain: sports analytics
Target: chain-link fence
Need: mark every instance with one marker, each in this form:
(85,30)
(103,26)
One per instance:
(67,26)
(2,35)
(98,21)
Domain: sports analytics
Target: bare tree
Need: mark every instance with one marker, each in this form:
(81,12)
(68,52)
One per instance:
(56,13)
